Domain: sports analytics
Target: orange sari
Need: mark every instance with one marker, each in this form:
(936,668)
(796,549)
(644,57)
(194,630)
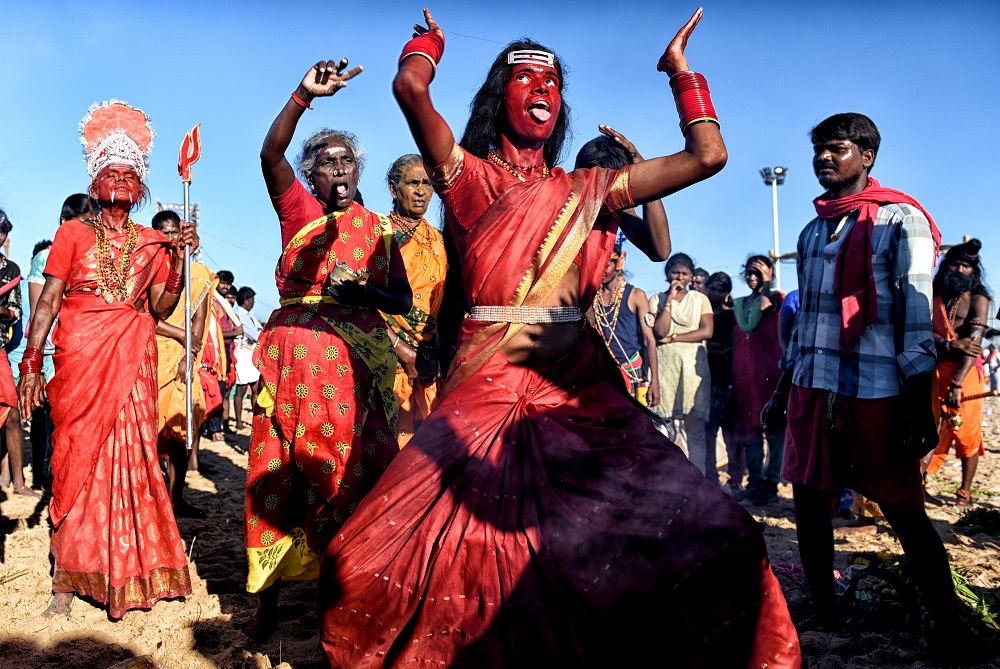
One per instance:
(114,538)
(426,268)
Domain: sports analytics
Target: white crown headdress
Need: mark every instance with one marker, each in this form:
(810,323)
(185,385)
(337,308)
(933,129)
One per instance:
(116,133)
(531,56)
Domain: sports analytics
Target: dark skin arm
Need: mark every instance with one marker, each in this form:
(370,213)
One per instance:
(161,301)
(651,233)
(704,152)
(639,304)
(31,387)
(396,299)
(978,312)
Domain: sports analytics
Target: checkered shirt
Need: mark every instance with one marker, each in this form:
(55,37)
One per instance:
(901,343)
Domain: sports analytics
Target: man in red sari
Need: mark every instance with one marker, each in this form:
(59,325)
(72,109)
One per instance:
(539,519)
(114,537)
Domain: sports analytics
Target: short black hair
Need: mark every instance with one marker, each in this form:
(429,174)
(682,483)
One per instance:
(602,151)
(41,246)
(225,276)
(161,217)
(78,204)
(5,224)
(702,272)
(678,259)
(856,128)
(720,277)
(244,294)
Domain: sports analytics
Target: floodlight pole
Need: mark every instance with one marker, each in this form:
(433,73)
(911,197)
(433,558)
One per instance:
(777,251)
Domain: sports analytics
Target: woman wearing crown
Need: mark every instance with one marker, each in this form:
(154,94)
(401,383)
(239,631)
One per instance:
(114,536)
(537,518)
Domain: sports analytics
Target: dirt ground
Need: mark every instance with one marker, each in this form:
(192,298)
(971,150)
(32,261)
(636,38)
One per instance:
(204,629)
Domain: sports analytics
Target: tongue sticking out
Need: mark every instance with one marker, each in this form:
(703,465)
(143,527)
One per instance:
(539,114)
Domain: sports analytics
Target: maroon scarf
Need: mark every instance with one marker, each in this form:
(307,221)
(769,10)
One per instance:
(854,280)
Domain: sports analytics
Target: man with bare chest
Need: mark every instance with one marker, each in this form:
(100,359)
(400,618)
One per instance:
(961,304)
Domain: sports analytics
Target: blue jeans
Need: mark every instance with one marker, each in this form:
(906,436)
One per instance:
(758,474)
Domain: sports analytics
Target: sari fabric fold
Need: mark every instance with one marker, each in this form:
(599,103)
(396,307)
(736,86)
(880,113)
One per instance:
(539,519)
(115,538)
(324,424)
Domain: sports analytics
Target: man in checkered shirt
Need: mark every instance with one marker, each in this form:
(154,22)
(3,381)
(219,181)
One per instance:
(859,368)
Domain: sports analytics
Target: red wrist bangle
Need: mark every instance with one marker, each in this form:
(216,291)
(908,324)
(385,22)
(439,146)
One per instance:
(693,99)
(32,353)
(25,367)
(31,361)
(300,102)
(430,45)
(175,281)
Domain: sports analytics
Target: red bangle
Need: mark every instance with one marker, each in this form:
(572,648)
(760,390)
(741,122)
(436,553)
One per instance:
(693,99)
(174,282)
(31,361)
(430,45)
(33,354)
(300,102)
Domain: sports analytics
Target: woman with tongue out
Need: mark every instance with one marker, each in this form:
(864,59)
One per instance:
(324,426)
(538,518)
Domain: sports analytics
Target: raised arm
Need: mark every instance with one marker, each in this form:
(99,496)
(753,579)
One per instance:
(322,80)
(162,299)
(651,233)
(704,151)
(431,133)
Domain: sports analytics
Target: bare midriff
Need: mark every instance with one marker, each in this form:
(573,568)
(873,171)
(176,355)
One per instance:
(538,345)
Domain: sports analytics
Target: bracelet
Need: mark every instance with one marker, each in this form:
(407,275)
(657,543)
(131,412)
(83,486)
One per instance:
(693,99)
(430,45)
(395,344)
(300,102)
(31,361)
(175,281)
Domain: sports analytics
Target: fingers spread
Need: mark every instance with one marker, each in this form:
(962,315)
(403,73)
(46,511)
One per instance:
(353,72)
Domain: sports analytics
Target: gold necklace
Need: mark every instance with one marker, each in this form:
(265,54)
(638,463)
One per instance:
(112,276)
(496,159)
(400,223)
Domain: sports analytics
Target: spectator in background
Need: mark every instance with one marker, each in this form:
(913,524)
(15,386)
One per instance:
(247,375)
(720,365)
(786,318)
(700,279)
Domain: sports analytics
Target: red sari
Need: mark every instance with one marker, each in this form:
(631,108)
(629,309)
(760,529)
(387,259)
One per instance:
(324,424)
(114,538)
(537,518)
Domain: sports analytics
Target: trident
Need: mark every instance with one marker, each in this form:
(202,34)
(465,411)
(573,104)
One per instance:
(189,154)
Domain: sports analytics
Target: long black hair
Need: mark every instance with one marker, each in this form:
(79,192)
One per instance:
(487,117)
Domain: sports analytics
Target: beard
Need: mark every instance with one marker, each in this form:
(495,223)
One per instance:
(955,284)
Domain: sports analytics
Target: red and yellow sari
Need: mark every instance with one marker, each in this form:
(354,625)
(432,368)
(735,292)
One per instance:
(538,519)
(114,538)
(426,266)
(324,424)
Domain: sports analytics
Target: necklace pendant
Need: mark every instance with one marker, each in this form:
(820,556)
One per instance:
(834,237)
(108,298)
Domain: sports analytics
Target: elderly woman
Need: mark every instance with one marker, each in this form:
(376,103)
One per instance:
(114,537)
(324,426)
(414,335)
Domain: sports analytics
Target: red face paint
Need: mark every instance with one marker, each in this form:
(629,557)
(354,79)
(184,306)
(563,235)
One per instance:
(117,183)
(532,101)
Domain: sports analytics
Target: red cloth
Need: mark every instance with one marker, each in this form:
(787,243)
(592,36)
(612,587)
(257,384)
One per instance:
(8,393)
(115,538)
(755,370)
(854,280)
(856,444)
(537,518)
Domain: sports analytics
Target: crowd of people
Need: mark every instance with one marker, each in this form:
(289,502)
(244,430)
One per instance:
(469,437)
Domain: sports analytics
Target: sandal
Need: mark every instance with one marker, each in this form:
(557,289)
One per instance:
(963,497)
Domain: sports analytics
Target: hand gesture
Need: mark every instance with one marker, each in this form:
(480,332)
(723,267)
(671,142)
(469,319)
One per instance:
(673,59)
(188,237)
(327,77)
(766,273)
(432,26)
(774,415)
(967,346)
(349,292)
(30,393)
(622,141)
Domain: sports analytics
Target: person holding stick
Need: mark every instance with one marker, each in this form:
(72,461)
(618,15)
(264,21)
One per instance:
(109,279)
(538,518)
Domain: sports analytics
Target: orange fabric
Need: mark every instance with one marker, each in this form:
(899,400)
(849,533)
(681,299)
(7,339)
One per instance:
(426,267)
(115,538)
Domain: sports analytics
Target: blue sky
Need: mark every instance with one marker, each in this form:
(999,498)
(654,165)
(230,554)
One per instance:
(925,72)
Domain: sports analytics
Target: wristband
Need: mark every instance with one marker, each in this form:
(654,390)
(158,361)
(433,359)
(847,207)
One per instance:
(31,361)
(174,282)
(693,99)
(430,45)
(300,102)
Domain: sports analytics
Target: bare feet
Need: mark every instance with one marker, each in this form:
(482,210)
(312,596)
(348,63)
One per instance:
(265,618)
(60,606)
(25,491)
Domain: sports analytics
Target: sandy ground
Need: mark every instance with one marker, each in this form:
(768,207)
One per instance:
(204,629)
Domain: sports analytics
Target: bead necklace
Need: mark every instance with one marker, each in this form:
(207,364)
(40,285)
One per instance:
(401,225)
(112,276)
(496,159)
(607,316)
